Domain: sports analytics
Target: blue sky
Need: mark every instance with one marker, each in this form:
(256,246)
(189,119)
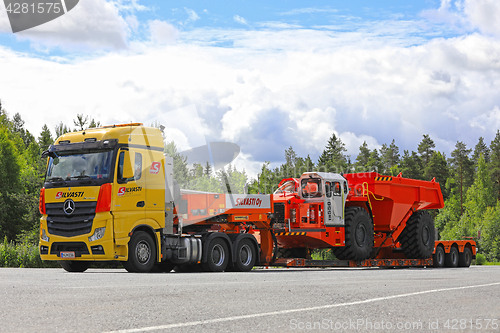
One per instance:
(265,74)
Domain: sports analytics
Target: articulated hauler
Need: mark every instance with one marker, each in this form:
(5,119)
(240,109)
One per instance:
(110,195)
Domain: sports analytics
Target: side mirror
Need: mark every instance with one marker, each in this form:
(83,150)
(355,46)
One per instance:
(128,171)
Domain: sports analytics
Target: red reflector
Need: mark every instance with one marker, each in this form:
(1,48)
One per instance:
(104,199)
(41,202)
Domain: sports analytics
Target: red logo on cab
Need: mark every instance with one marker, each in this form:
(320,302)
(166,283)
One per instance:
(121,191)
(58,195)
(155,168)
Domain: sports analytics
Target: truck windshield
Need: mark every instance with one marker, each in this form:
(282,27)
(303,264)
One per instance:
(311,188)
(96,165)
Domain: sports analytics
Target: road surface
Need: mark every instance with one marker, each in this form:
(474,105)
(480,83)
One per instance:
(267,300)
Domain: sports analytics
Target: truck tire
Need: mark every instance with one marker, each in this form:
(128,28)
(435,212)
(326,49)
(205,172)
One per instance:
(74,266)
(358,235)
(438,258)
(141,253)
(465,258)
(451,259)
(245,256)
(218,256)
(417,238)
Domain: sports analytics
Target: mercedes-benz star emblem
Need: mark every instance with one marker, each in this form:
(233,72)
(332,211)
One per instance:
(69,207)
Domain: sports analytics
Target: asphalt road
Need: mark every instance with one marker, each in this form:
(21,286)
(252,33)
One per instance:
(271,300)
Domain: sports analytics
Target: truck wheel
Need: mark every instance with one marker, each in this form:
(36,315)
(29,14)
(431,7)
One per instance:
(74,266)
(417,238)
(141,253)
(451,259)
(358,235)
(218,256)
(465,258)
(438,257)
(245,256)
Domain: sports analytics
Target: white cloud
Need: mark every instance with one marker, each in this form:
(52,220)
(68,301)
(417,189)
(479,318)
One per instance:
(192,16)
(162,32)
(484,14)
(240,20)
(92,24)
(274,88)
(467,15)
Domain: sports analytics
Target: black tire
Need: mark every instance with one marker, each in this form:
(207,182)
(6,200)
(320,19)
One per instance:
(245,254)
(465,258)
(141,253)
(451,259)
(417,238)
(358,235)
(217,256)
(74,266)
(438,257)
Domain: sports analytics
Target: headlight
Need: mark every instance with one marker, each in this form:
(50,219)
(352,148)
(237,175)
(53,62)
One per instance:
(98,234)
(293,214)
(44,236)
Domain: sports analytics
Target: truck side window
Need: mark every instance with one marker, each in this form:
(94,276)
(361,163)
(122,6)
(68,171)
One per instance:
(336,189)
(328,189)
(346,188)
(120,166)
(138,166)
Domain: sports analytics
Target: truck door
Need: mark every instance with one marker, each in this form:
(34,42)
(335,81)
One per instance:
(334,203)
(129,196)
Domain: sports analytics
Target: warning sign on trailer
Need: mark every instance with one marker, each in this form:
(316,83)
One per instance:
(236,201)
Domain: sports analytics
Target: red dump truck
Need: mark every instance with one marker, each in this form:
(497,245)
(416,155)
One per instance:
(366,220)
(109,195)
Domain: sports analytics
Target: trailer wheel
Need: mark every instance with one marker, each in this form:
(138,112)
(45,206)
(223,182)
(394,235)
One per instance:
(451,259)
(438,257)
(417,238)
(358,235)
(141,253)
(465,258)
(218,256)
(74,266)
(245,256)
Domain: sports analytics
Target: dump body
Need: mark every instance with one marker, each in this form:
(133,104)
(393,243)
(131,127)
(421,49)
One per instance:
(391,198)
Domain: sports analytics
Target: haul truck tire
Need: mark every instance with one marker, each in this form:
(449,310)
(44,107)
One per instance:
(74,266)
(141,253)
(438,258)
(358,235)
(245,256)
(465,258)
(218,256)
(451,259)
(417,238)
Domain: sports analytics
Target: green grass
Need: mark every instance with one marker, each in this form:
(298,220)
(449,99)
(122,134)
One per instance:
(22,254)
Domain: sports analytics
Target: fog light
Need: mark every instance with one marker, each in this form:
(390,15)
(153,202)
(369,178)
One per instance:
(98,234)
(44,237)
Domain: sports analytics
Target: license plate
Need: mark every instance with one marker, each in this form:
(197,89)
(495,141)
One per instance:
(66,255)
